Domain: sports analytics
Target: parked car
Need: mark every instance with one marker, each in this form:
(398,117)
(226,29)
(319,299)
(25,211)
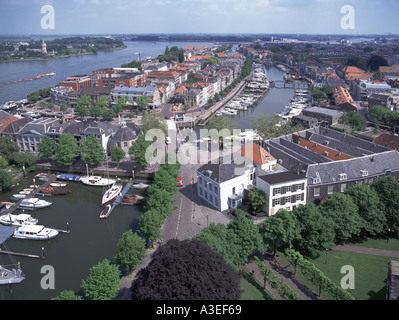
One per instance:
(179,181)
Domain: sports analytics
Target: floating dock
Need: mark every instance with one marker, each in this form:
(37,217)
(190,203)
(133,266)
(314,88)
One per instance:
(106,211)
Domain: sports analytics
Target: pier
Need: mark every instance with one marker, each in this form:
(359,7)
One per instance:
(118,201)
(35,192)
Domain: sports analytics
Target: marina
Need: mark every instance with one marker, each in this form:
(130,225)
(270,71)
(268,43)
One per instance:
(65,253)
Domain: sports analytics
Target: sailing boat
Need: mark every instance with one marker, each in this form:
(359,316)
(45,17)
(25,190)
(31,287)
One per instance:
(112,193)
(97,181)
(12,276)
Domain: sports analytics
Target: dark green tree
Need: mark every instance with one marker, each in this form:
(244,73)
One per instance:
(67,149)
(371,209)
(117,154)
(247,233)
(138,150)
(67,295)
(316,230)
(8,147)
(46,147)
(150,225)
(224,241)
(354,120)
(344,211)
(388,192)
(257,200)
(131,250)
(102,282)
(91,151)
(6,180)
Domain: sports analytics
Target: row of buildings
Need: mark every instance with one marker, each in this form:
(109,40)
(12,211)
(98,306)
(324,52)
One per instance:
(159,81)
(28,132)
(300,168)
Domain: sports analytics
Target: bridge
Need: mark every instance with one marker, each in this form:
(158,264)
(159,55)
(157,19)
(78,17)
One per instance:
(280,84)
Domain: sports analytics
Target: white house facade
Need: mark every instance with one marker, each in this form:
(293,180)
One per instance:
(222,186)
(283,190)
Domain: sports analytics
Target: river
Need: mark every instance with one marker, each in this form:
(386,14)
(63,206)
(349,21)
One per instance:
(90,239)
(65,67)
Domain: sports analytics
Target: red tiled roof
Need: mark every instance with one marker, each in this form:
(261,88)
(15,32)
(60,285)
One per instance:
(323,150)
(253,152)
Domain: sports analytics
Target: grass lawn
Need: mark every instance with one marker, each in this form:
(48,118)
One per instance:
(390,244)
(253,290)
(370,273)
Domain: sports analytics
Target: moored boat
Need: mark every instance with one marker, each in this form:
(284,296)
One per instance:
(140,186)
(17,220)
(97,181)
(34,203)
(132,199)
(58,184)
(11,276)
(55,190)
(105,212)
(112,193)
(34,232)
(69,177)
(19,196)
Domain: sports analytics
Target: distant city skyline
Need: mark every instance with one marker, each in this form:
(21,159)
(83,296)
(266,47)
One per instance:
(20,17)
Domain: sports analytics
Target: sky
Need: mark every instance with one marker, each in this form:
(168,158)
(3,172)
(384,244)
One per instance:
(24,17)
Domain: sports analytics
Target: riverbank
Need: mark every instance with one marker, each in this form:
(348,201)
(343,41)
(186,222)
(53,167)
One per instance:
(126,168)
(60,57)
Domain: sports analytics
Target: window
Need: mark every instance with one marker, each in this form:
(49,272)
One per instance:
(277,202)
(200,190)
(206,195)
(288,189)
(365,173)
(342,176)
(299,197)
(330,189)
(277,190)
(316,192)
(316,180)
(343,187)
(200,180)
(210,198)
(215,190)
(287,199)
(234,190)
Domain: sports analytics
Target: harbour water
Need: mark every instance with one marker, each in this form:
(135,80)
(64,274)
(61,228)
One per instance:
(90,239)
(273,101)
(71,255)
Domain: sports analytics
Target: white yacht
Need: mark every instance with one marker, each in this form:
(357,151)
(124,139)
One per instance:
(229,112)
(17,220)
(34,203)
(97,181)
(34,232)
(11,276)
(112,193)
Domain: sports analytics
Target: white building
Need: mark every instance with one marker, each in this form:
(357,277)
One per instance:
(223,185)
(283,190)
(363,89)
